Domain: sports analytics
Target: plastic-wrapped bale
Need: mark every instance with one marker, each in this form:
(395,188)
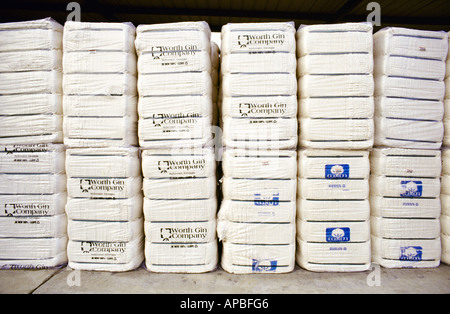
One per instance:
(445,206)
(31,82)
(105,228)
(405,207)
(446,140)
(333,229)
(99,84)
(335,86)
(258,86)
(180,207)
(409,71)
(177,85)
(33,224)
(256,220)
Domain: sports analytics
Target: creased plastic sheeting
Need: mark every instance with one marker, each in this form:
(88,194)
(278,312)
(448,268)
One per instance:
(351,85)
(405,162)
(108,231)
(264,211)
(85,36)
(192,105)
(35,253)
(336,107)
(31,60)
(27,104)
(100,132)
(260,133)
(33,227)
(398,186)
(39,82)
(445,203)
(411,43)
(106,256)
(404,108)
(279,164)
(108,162)
(245,189)
(185,162)
(409,67)
(394,228)
(255,233)
(408,133)
(159,60)
(100,61)
(29,129)
(43,34)
(259,84)
(259,107)
(99,84)
(258,37)
(348,63)
(100,106)
(180,231)
(176,210)
(332,189)
(32,158)
(32,183)
(42,205)
(336,133)
(191,188)
(316,231)
(406,253)
(333,210)
(409,88)
(255,258)
(127,209)
(258,63)
(181,257)
(333,257)
(334,38)
(333,164)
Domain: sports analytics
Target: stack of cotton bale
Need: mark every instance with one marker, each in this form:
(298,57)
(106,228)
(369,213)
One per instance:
(178,87)
(104,181)
(336,106)
(409,70)
(259,118)
(33,182)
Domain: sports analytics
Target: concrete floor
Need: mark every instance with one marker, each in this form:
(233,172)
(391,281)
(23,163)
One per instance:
(376,280)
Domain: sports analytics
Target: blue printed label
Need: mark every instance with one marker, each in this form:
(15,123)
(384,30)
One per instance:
(338,234)
(411,253)
(257,267)
(411,189)
(273,200)
(341,171)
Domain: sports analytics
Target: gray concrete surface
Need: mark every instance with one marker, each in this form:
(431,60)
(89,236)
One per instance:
(377,280)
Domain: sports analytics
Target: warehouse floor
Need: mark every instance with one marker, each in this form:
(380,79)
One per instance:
(377,280)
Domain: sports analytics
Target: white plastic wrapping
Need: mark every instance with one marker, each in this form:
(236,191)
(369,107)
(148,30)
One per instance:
(258,189)
(93,61)
(254,258)
(405,162)
(258,63)
(406,253)
(31,104)
(405,108)
(186,188)
(408,133)
(333,164)
(33,227)
(258,37)
(100,106)
(395,228)
(265,211)
(108,231)
(331,231)
(265,84)
(351,85)
(336,133)
(333,210)
(181,258)
(333,257)
(105,256)
(415,88)
(281,164)
(347,63)
(336,107)
(259,107)
(180,210)
(260,133)
(185,162)
(334,38)
(392,65)
(411,43)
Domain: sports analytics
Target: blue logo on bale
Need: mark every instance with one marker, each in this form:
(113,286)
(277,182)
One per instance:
(338,234)
(341,171)
(411,189)
(411,253)
(269,265)
(261,201)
